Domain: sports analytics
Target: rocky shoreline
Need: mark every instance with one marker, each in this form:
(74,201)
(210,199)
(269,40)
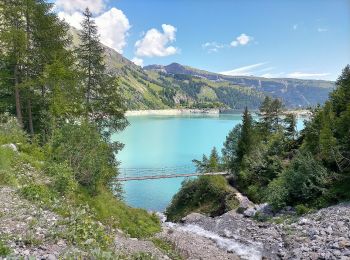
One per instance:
(172,112)
(210,112)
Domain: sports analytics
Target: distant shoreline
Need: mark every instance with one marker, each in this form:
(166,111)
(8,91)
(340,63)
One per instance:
(175,112)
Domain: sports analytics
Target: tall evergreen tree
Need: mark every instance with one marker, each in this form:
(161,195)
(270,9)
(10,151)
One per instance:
(245,141)
(90,55)
(103,103)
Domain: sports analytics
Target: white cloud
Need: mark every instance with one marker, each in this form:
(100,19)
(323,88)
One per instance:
(212,46)
(320,29)
(307,75)
(243,71)
(137,61)
(155,43)
(73,19)
(113,28)
(243,39)
(113,25)
(71,6)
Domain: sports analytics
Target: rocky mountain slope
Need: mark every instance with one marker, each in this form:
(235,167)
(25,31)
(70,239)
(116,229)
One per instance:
(294,92)
(173,86)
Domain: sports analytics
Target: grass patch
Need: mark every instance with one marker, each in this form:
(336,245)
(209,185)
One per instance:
(6,174)
(167,248)
(111,211)
(4,249)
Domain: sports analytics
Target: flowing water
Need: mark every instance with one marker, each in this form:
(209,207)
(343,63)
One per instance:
(168,141)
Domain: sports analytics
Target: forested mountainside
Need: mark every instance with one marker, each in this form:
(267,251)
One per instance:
(157,87)
(293,92)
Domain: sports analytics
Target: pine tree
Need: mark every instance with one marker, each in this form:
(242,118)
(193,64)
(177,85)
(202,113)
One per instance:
(245,141)
(103,103)
(90,55)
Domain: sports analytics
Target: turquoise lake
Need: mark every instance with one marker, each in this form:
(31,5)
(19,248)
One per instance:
(168,141)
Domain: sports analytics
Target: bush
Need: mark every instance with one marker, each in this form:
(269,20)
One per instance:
(10,131)
(87,153)
(63,177)
(205,194)
(277,193)
(37,192)
(304,181)
(302,209)
(84,231)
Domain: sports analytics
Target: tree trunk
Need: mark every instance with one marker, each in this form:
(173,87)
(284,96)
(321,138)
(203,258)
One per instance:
(30,117)
(18,98)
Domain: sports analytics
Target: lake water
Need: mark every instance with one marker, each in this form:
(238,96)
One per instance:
(168,141)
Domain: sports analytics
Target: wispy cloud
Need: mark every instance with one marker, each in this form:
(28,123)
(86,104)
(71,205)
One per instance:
(243,71)
(295,26)
(307,75)
(212,46)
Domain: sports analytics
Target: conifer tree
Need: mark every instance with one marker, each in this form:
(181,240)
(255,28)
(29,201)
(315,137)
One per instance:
(103,103)
(245,141)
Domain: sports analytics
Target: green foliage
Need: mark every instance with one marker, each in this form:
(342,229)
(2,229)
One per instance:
(168,248)
(211,164)
(143,256)
(113,212)
(87,153)
(84,231)
(229,151)
(303,181)
(301,209)
(4,249)
(245,142)
(63,178)
(37,193)
(205,194)
(6,174)
(10,130)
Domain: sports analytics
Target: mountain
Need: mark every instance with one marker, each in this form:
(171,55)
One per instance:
(293,92)
(175,85)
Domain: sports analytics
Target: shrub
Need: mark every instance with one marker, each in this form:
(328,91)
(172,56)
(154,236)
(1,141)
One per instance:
(84,231)
(301,209)
(205,194)
(277,193)
(63,178)
(37,192)
(87,153)
(305,180)
(10,131)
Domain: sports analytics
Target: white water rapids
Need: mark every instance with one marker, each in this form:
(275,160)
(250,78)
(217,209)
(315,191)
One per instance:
(250,252)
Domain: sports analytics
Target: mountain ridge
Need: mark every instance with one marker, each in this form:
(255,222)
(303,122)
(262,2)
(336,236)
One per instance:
(179,86)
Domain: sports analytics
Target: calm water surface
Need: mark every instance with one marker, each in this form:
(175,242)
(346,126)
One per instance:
(168,141)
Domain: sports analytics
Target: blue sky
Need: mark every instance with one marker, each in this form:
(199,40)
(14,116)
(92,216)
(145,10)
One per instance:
(271,38)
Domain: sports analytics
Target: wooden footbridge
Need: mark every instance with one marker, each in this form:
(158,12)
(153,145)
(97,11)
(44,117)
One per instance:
(132,174)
